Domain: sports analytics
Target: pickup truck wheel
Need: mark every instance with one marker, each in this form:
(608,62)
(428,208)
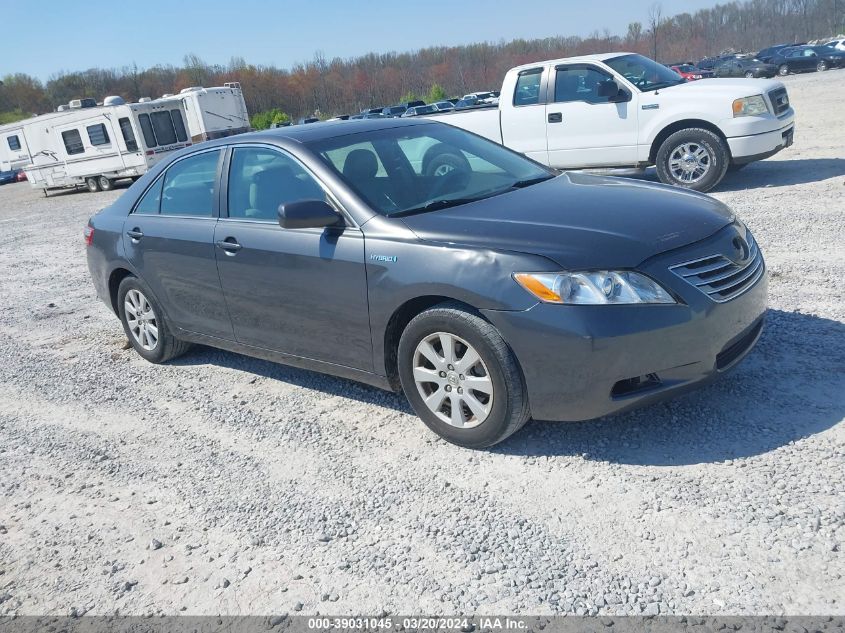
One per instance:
(442,160)
(93,184)
(783,70)
(461,377)
(694,158)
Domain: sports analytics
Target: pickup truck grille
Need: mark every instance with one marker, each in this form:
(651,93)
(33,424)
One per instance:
(723,279)
(779,100)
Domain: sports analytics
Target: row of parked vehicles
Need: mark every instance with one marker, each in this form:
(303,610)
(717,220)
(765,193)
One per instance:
(85,143)
(782,59)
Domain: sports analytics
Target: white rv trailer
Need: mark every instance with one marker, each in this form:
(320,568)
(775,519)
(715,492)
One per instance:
(213,112)
(96,146)
(14,150)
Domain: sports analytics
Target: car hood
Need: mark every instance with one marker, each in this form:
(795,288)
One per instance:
(580,221)
(722,88)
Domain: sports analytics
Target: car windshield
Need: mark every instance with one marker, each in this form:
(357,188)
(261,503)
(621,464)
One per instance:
(686,68)
(646,74)
(414,169)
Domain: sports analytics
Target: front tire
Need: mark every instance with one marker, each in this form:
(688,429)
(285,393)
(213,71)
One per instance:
(694,158)
(821,66)
(749,75)
(144,323)
(783,71)
(461,378)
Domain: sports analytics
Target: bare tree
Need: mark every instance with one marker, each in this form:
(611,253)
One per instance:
(655,22)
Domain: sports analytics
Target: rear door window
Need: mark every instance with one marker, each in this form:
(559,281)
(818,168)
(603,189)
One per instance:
(189,185)
(528,87)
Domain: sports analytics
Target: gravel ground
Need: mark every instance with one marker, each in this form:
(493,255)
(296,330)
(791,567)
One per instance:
(222,484)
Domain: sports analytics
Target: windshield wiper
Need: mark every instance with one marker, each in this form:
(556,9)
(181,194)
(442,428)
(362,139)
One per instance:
(527,182)
(434,205)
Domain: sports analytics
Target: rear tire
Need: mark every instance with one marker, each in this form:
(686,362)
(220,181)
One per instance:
(693,158)
(783,70)
(821,66)
(145,324)
(93,184)
(489,393)
(106,184)
(749,75)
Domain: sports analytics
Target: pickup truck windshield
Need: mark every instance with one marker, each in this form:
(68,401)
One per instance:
(414,169)
(646,74)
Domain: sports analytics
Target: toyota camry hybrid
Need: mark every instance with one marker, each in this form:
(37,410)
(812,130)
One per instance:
(415,256)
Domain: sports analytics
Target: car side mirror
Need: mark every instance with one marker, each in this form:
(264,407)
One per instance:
(305,214)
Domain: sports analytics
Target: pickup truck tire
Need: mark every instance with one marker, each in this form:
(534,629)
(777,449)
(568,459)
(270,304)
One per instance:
(693,158)
(442,160)
(435,368)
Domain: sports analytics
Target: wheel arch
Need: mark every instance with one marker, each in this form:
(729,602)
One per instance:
(399,320)
(684,124)
(115,278)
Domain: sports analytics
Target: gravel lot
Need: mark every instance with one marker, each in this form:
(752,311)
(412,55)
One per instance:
(222,484)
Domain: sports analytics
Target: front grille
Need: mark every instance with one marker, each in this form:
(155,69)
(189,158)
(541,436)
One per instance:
(720,278)
(779,100)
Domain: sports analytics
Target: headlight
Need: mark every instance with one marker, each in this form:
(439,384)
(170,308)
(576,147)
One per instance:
(593,288)
(750,106)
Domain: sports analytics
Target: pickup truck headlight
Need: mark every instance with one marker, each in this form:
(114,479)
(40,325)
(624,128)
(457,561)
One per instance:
(750,106)
(598,287)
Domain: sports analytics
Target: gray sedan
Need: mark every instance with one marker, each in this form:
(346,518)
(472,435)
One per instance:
(415,256)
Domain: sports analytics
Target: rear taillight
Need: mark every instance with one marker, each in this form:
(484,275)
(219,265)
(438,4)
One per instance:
(89,235)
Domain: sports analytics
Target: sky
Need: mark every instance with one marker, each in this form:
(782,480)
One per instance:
(55,35)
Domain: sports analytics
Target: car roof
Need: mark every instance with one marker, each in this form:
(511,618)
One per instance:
(599,57)
(317,131)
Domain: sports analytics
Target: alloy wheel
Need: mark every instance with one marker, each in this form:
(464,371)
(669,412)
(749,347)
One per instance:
(453,380)
(141,319)
(690,162)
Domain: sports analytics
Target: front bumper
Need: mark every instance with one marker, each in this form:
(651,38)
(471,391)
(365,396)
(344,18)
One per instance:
(584,362)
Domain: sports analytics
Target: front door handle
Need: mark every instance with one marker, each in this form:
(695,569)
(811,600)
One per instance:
(230,245)
(136,234)
(555,117)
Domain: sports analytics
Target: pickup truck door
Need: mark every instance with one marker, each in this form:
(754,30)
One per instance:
(584,129)
(524,120)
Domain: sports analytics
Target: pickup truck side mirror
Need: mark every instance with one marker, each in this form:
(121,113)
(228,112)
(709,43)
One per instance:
(610,90)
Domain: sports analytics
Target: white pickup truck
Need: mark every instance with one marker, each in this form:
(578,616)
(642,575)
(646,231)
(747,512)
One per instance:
(622,110)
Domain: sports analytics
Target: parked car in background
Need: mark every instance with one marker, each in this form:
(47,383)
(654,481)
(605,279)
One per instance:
(767,54)
(8,177)
(748,68)
(479,96)
(625,110)
(366,111)
(466,103)
(837,44)
(444,106)
(421,109)
(489,293)
(308,119)
(691,73)
(394,110)
(21,176)
(798,59)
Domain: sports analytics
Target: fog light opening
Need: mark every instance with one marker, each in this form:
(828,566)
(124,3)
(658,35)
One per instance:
(635,385)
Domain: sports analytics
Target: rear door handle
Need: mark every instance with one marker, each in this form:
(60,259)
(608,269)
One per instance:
(230,245)
(555,117)
(136,233)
